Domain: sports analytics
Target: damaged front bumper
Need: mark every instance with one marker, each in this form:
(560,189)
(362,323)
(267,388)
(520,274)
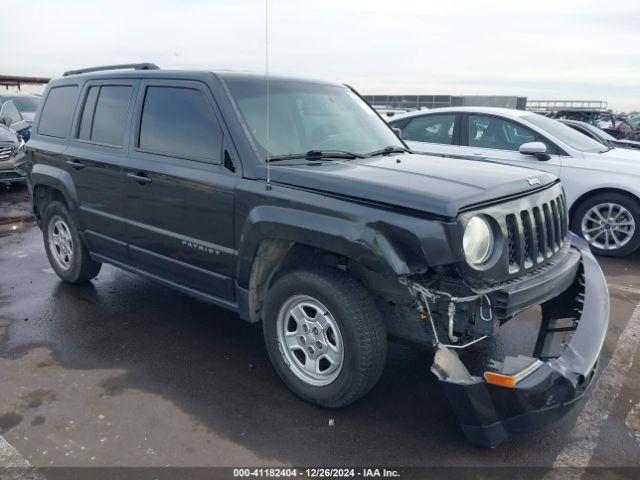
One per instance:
(545,385)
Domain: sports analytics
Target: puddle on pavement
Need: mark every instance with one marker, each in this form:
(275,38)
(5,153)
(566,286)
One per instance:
(10,226)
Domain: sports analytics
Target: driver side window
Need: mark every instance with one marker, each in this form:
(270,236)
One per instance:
(10,111)
(499,134)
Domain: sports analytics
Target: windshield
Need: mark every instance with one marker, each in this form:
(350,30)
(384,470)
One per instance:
(305,116)
(598,131)
(26,104)
(568,135)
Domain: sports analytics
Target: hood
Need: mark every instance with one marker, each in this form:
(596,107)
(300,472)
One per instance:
(625,161)
(437,185)
(629,143)
(7,135)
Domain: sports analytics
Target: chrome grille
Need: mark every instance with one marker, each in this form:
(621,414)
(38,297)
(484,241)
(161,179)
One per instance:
(6,151)
(535,234)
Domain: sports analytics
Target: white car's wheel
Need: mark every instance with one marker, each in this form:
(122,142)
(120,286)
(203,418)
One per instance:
(610,222)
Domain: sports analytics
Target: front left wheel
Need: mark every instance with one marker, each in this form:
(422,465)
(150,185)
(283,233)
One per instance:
(324,335)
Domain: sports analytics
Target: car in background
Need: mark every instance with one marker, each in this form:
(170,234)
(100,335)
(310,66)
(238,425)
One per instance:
(11,116)
(614,125)
(12,161)
(389,112)
(26,103)
(635,122)
(602,184)
(600,135)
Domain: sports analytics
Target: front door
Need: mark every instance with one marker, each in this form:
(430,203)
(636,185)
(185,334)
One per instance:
(492,138)
(178,194)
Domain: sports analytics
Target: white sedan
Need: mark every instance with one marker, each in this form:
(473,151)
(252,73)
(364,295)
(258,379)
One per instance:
(602,184)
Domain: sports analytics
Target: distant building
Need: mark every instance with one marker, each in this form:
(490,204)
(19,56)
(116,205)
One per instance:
(415,102)
(553,105)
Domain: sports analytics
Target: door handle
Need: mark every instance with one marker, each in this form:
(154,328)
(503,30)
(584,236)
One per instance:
(477,156)
(76,164)
(139,177)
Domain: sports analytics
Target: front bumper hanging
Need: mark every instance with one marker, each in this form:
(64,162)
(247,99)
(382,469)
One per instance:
(547,386)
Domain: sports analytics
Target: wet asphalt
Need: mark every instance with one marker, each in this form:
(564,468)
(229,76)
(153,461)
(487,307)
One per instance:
(127,372)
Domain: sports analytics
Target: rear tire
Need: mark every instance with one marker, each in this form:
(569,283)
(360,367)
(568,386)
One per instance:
(337,320)
(610,223)
(66,251)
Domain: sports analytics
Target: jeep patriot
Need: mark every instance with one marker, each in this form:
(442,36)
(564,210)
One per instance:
(292,203)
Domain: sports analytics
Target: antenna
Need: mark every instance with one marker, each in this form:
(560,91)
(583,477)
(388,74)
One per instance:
(266,56)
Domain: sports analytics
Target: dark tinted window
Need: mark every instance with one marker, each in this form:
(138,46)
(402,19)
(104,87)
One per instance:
(57,112)
(84,132)
(431,129)
(107,105)
(179,122)
(499,134)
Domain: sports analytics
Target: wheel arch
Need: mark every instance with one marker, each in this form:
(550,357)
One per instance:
(51,183)
(270,244)
(592,193)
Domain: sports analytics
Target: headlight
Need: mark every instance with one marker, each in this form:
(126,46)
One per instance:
(477,241)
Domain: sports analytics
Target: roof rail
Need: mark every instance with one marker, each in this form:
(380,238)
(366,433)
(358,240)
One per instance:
(134,66)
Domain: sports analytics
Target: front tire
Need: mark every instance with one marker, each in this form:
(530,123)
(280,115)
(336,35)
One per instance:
(324,335)
(610,222)
(66,251)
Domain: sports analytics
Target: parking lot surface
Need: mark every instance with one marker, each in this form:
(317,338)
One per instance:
(124,371)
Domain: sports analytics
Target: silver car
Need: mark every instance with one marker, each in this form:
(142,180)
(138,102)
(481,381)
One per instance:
(602,184)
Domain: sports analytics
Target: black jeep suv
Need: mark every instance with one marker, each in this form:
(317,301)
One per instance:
(293,203)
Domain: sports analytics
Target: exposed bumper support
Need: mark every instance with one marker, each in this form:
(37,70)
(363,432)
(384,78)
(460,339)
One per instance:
(488,413)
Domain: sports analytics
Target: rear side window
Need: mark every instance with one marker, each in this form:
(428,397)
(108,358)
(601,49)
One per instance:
(431,129)
(179,122)
(57,111)
(104,114)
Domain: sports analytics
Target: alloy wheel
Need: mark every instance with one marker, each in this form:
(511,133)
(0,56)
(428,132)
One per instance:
(60,242)
(608,226)
(310,340)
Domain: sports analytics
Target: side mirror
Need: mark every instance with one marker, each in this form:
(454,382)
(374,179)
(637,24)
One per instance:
(537,149)
(397,131)
(6,121)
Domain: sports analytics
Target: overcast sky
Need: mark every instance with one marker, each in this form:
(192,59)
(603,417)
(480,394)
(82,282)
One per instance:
(543,49)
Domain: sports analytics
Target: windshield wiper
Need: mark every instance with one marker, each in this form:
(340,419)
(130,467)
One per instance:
(388,151)
(312,155)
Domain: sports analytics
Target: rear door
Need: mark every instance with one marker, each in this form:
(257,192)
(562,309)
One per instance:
(434,133)
(496,139)
(98,149)
(178,194)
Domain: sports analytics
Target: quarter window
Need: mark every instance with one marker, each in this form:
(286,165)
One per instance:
(57,111)
(431,129)
(104,114)
(179,122)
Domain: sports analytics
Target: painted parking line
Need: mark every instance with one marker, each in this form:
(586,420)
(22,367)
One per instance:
(624,288)
(10,457)
(15,465)
(585,435)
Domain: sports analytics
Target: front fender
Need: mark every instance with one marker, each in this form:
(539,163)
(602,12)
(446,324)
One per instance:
(358,241)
